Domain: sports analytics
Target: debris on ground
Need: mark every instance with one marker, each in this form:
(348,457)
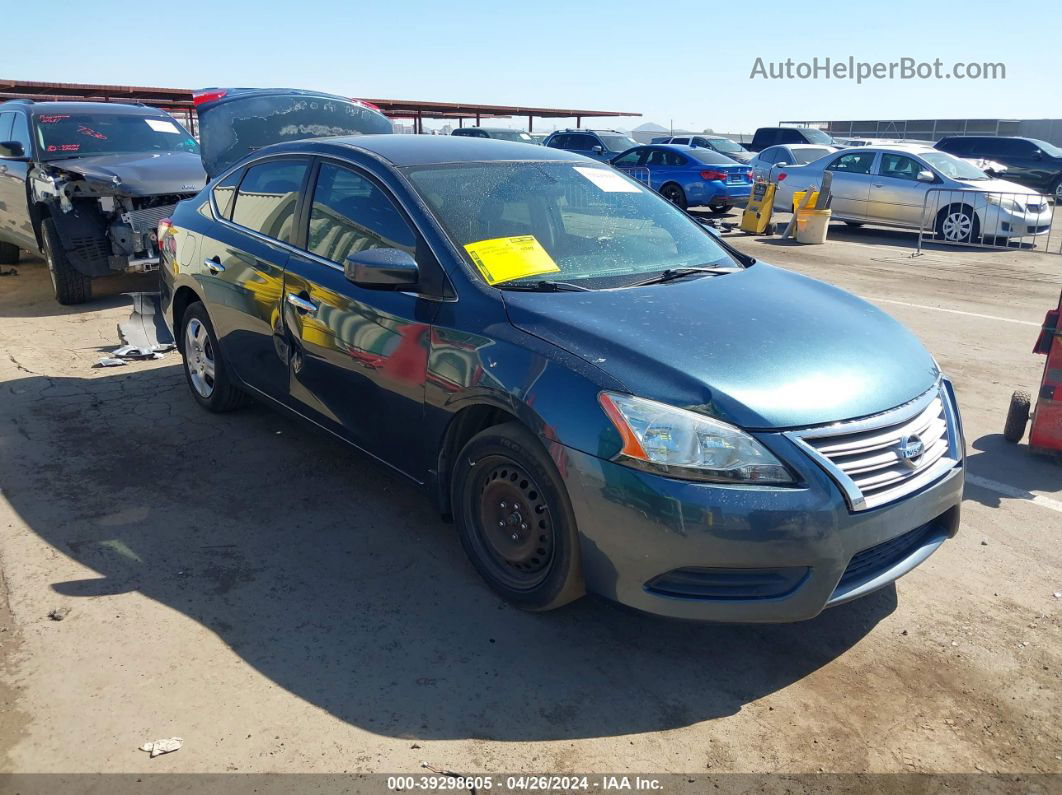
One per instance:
(159,747)
(144,335)
(8,272)
(59,613)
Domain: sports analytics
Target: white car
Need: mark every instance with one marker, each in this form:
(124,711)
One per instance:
(916,186)
(765,163)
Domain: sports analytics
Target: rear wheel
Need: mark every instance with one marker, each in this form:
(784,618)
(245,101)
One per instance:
(1017,416)
(71,286)
(8,254)
(674,194)
(204,366)
(515,519)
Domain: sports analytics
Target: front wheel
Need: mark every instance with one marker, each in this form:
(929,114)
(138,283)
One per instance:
(70,285)
(515,519)
(674,194)
(1057,192)
(958,224)
(204,366)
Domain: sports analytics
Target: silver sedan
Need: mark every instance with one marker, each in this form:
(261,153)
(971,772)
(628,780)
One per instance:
(916,186)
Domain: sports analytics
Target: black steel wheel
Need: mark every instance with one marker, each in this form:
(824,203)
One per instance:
(674,194)
(515,518)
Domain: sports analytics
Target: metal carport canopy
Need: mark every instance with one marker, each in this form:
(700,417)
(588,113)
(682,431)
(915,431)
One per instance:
(180,99)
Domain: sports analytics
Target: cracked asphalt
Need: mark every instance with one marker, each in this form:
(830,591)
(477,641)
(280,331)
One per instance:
(284,604)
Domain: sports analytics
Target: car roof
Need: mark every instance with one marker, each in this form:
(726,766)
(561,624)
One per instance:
(116,108)
(421,150)
(491,129)
(798,147)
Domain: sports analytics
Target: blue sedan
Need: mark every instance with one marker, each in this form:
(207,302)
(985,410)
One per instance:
(688,176)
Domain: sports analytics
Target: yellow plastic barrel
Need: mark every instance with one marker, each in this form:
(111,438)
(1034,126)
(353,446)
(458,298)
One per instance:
(798,199)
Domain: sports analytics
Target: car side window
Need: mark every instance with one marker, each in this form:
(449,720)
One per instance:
(629,159)
(960,147)
(853,163)
(350,214)
(559,141)
(224,191)
(680,141)
(781,155)
(583,143)
(899,167)
(656,157)
(1015,147)
(268,196)
(674,159)
(5,125)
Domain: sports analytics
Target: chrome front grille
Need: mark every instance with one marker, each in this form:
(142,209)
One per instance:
(881,458)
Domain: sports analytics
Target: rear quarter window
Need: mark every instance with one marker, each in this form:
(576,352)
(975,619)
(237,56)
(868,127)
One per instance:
(268,195)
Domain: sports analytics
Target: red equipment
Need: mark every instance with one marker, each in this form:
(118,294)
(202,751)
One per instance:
(1045,436)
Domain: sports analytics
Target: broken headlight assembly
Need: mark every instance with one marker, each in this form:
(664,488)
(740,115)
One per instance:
(683,444)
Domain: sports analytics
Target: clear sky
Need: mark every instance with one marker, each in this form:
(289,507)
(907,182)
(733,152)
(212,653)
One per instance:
(686,63)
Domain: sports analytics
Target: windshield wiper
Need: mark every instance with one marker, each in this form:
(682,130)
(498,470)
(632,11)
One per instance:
(542,286)
(677,273)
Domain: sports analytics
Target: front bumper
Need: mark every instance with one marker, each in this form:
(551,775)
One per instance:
(635,527)
(999,222)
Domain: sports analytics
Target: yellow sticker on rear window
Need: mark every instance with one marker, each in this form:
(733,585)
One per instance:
(506,258)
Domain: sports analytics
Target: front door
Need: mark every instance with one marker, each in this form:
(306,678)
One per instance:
(896,195)
(851,184)
(15,225)
(359,356)
(242,270)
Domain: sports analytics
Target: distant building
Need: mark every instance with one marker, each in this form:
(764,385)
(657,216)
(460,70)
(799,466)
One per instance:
(932,130)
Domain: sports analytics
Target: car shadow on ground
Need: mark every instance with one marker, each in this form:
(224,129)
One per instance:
(28,290)
(1024,470)
(334,578)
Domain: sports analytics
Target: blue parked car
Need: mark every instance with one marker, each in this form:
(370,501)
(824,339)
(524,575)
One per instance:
(598,144)
(600,393)
(689,176)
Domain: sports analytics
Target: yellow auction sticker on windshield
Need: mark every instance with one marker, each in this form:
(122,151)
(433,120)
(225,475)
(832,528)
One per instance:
(506,258)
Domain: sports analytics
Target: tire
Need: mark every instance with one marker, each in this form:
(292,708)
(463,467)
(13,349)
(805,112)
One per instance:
(958,223)
(855,224)
(70,285)
(502,478)
(204,365)
(720,207)
(8,254)
(1017,416)
(1056,192)
(674,194)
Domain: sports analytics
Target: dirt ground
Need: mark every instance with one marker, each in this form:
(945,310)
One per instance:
(283,604)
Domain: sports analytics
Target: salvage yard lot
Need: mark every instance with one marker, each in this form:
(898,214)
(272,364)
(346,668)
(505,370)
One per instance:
(284,604)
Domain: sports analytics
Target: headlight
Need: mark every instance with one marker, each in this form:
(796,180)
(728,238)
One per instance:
(687,445)
(1004,203)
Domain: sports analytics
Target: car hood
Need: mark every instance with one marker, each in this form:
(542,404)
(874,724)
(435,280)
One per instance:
(139,174)
(763,348)
(998,186)
(233,122)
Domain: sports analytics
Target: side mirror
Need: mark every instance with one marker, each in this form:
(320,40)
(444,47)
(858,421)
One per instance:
(12,149)
(1038,155)
(382,269)
(597,150)
(926,176)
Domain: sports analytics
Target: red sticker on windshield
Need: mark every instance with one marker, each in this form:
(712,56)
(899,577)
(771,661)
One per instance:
(91,133)
(52,119)
(64,148)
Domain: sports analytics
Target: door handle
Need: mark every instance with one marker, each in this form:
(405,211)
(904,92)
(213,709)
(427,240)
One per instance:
(879,185)
(302,304)
(213,265)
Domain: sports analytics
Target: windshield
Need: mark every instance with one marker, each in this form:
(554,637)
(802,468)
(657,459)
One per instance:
(816,136)
(561,221)
(810,153)
(510,135)
(74,134)
(710,156)
(1048,149)
(726,145)
(617,143)
(953,167)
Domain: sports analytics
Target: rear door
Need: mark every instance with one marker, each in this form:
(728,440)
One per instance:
(851,183)
(359,356)
(242,268)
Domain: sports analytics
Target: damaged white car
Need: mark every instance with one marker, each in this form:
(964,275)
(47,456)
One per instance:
(86,184)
